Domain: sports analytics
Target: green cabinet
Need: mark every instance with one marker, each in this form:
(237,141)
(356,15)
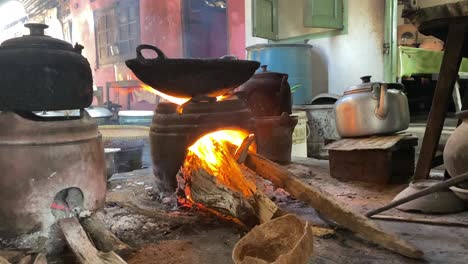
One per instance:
(265,18)
(282,19)
(323,13)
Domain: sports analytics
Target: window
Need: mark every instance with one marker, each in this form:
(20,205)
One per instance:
(117,31)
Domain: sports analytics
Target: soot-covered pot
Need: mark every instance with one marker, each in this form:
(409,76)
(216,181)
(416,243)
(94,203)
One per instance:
(38,72)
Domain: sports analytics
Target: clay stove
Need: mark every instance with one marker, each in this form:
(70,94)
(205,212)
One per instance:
(175,128)
(41,159)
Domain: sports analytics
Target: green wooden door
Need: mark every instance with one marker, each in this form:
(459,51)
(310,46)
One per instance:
(390,48)
(265,19)
(323,14)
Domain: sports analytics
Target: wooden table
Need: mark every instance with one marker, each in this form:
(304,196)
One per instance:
(454,31)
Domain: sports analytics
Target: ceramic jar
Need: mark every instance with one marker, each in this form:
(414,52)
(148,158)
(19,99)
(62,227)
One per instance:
(456,148)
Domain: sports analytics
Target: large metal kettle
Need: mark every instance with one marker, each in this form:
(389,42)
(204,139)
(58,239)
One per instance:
(372,108)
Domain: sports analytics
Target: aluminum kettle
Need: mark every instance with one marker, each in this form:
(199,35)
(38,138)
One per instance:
(372,108)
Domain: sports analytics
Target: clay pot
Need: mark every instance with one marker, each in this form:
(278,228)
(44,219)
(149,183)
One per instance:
(274,137)
(267,93)
(456,149)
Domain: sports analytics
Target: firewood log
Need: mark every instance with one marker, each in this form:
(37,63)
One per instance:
(81,247)
(218,182)
(103,239)
(329,207)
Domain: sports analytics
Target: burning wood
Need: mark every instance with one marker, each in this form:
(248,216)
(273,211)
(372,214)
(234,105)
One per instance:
(214,178)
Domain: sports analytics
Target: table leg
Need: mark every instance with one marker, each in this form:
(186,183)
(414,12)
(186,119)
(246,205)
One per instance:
(447,77)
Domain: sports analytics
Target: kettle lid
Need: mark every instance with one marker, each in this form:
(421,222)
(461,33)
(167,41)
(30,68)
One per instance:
(264,72)
(36,39)
(367,86)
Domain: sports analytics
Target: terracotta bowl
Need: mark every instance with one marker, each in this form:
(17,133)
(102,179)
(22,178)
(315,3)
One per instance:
(460,192)
(441,202)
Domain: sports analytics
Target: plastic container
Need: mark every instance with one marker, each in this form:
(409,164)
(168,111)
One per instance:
(300,134)
(292,59)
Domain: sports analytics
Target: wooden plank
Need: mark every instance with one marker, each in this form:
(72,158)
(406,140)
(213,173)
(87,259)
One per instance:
(354,165)
(78,241)
(447,77)
(420,16)
(329,207)
(104,239)
(419,220)
(374,142)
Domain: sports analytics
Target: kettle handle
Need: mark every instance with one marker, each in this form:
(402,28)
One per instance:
(381,110)
(285,95)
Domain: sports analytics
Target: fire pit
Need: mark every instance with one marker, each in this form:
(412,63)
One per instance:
(175,128)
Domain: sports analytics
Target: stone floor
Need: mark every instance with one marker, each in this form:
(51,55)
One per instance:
(207,239)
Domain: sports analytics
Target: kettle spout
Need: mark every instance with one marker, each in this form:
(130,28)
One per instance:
(381,109)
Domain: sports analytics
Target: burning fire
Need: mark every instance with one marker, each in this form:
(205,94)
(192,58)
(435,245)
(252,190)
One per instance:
(173,99)
(213,150)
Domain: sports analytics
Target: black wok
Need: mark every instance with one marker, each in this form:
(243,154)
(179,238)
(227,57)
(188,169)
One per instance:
(190,77)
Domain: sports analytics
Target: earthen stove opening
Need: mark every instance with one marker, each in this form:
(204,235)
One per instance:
(53,168)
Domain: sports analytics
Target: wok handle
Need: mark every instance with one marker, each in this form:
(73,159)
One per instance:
(161,55)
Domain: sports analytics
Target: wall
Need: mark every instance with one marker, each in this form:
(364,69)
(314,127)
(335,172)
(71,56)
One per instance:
(249,39)
(339,61)
(160,25)
(236,27)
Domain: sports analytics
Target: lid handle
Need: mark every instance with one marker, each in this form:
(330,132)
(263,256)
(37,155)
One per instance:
(366,79)
(264,68)
(36,29)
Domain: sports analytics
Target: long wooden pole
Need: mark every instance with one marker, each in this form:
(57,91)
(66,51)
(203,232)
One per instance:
(324,203)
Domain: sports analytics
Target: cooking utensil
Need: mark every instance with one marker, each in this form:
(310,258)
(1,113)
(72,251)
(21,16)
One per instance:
(456,149)
(431,189)
(190,77)
(372,108)
(267,93)
(38,72)
(442,201)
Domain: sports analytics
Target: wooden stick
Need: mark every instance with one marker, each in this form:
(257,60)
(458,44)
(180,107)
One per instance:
(81,246)
(432,189)
(243,149)
(103,239)
(329,207)
(40,259)
(78,241)
(419,220)
(220,184)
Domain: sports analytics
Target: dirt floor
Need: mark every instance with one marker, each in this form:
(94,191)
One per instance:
(163,233)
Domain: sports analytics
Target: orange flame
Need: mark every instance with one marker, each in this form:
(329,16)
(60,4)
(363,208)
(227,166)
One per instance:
(208,149)
(173,99)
